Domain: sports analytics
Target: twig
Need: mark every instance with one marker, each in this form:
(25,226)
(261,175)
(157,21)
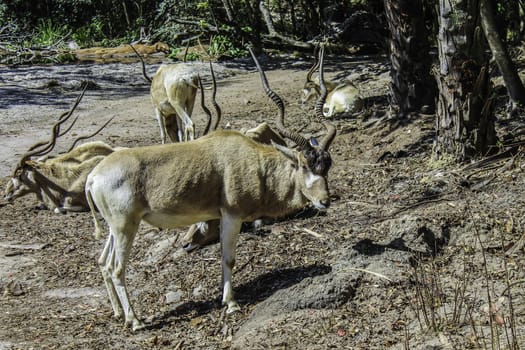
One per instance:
(310,232)
(411,206)
(245,264)
(377,274)
(511,284)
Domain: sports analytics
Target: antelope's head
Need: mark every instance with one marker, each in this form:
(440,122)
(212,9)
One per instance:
(311,159)
(22,182)
(25,179)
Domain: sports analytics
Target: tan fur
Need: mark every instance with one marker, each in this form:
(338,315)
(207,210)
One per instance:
(265,134)
(342,98)
(58,182)
(311,90)
(205,233)
(173,90)
(224,175)
(83,152)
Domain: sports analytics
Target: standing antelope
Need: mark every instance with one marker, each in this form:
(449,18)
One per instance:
(224,175)
(57,182)
(173,90)
(342,97)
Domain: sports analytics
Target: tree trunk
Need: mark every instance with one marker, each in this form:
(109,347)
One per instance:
(499,52)
(464,121)
(412,84)
(273,33)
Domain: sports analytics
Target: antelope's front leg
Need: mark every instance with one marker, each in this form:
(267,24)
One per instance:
(230,227)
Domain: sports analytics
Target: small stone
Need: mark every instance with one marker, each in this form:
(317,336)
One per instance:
(197,291)
(173,296)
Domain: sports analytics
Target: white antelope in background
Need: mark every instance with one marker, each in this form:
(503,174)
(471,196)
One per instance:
(224,175)
(173,89)
(342,97)
(59,182)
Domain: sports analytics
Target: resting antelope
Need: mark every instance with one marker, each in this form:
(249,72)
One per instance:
(342,97)
(224,175)
(57,182)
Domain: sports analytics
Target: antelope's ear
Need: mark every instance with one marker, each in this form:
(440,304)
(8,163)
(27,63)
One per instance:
(289,153)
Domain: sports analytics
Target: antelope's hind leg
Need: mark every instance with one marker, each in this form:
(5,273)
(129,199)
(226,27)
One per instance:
(162,125)
(106,262)
(114,267)
(188,128)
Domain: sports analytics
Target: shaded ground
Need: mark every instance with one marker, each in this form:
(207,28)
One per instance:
(412,253)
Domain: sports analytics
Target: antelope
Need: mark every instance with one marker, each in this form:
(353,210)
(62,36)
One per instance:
(205,233)
(342,97)
(173,90)
(59,182)
(224,175)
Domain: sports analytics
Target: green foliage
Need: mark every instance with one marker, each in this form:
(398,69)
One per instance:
(111,22)
(203,5)
(49,33)
(174,51)
(3,12)
(222,45)
(193,56)
(90,34)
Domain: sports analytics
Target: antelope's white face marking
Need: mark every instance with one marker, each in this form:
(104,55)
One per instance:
(16,187)
(311,179)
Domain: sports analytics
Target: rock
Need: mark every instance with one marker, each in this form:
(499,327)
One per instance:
(174,296)
(159,250)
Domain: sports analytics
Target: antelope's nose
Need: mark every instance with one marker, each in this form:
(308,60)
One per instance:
(322,204)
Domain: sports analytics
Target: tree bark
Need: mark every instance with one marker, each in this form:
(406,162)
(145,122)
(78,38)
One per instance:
(505,65)
(273,33)
(412,85)
(464,121)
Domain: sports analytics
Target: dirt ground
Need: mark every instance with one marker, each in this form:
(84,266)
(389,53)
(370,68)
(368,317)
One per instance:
(412,254)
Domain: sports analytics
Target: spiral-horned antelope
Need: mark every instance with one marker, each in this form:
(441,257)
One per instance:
(173,90)
(342,97)
(204,233)
(224,175)
(58,182)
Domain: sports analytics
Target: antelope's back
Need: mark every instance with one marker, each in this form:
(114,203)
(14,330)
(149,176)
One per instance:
(188,170)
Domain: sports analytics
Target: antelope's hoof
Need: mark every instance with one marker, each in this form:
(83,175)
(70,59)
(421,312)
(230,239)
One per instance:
(232,308)
(189,247)
(137,325)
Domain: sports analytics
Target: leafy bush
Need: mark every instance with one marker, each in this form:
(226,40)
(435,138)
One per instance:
(90,34)
(221,45)
(50,34)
